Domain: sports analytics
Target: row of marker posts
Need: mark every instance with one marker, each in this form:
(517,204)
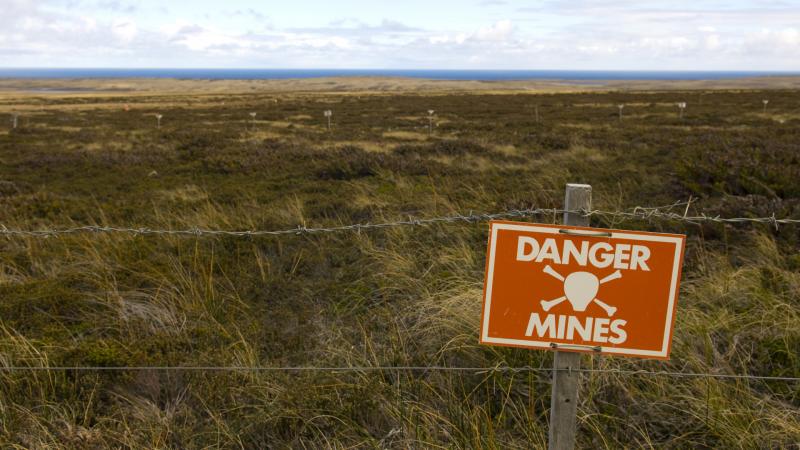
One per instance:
(329,115)
(681,107)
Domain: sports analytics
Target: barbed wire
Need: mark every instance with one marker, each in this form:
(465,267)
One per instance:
(644,213)
(637,213)
(628,372)
(510,214)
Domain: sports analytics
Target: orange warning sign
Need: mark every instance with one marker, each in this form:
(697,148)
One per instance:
(581,289)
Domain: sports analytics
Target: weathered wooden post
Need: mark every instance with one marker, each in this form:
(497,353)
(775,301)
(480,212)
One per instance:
(681,107)
(329,114)
(519,272)
(14,120)
(564,401)
(158,120)
(430,121)
(253,115)
(765,101)
(620,106)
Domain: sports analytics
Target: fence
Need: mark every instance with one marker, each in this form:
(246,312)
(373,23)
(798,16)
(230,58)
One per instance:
(664,213)
(637,213)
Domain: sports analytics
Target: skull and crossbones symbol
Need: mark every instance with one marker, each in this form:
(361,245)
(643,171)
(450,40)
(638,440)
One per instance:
(580,289)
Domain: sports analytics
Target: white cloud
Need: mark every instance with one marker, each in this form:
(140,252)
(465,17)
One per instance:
(785,41)
(197,38)
(598,49)
(124,30)
(589,34)
(712,42)
(497,32)
(667,45)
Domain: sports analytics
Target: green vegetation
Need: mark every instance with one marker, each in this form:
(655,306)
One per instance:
(400,296)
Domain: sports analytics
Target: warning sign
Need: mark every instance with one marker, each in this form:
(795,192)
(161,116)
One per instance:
(581,289)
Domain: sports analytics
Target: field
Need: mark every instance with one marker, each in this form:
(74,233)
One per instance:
(400,296)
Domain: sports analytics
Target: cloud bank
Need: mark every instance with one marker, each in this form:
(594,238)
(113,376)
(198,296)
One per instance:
(556,34)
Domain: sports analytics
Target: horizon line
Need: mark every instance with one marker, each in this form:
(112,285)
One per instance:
(403,69)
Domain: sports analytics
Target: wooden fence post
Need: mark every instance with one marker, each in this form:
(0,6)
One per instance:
(564,401)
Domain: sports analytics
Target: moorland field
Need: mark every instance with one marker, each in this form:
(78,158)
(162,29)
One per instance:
(401,296)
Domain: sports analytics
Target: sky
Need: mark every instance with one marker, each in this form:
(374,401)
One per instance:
(408,34)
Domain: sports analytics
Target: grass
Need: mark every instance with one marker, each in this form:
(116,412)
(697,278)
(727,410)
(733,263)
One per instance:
(401,296)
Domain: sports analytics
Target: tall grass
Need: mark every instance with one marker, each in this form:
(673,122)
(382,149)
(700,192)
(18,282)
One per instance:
(396,297)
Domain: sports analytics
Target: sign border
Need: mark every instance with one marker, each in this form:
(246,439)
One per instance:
(678,239)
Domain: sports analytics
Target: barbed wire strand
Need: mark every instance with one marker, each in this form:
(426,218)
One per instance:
(645,213)
(396,368)
(637,213)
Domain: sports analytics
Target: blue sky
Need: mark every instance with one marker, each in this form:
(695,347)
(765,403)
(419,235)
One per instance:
(441,34)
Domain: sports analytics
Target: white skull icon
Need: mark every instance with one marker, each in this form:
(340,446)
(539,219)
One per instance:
(580,289)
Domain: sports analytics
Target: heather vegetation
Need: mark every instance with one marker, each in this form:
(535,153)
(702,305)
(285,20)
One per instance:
(404,296)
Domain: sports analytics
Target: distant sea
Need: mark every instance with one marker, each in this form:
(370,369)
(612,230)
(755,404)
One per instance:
(481,75)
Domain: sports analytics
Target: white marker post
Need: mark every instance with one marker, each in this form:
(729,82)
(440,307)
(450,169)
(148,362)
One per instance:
(620,106)
(564,400)
(430,121)
(765,105)
(253,115)
(158,120)
(14,120)
(681,107)
(329,114)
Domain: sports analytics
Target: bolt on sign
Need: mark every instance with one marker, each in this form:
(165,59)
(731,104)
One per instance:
(581,289)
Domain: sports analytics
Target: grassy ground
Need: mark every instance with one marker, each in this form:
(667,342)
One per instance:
(401,296)
(91,87)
